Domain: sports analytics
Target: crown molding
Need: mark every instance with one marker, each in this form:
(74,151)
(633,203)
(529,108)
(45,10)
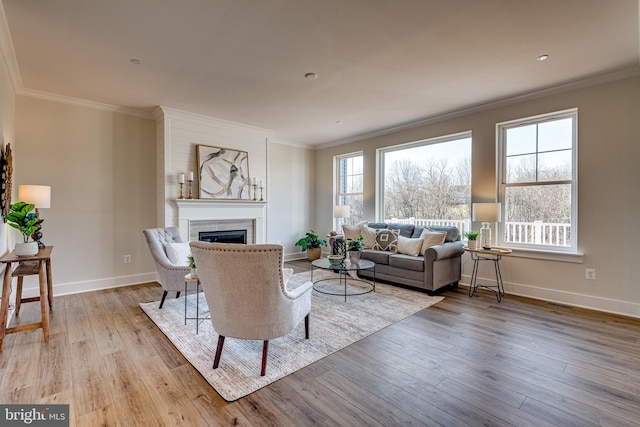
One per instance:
(54,97)
(502,102)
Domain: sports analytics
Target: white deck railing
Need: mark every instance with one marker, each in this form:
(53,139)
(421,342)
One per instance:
(536,233)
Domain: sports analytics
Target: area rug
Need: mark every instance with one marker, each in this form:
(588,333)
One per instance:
(334,324)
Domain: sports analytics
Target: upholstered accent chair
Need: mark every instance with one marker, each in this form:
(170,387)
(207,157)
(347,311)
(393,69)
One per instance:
(245,288)
(170,275)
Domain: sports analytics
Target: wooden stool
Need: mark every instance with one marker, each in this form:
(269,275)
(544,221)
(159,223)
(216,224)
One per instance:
(27,268)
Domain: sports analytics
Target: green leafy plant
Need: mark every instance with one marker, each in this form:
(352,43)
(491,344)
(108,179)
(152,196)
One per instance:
(310,240)
(21,218)
(191,261)
(472,235)
(355,244)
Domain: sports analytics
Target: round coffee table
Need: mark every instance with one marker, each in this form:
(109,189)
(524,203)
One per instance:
(344,277)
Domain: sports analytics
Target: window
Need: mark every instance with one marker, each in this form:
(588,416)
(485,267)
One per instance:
(349,188)
(538,179)
(427,182)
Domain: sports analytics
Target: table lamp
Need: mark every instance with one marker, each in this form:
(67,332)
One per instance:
(341,211)
(486,213)
(40,196)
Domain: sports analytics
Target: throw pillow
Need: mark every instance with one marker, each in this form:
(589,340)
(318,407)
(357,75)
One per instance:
(368,237)
(431,238)
(353,231)
(177,253)
(409,246)
(387,240)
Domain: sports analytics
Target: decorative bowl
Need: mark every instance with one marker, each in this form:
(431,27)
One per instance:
(335,260)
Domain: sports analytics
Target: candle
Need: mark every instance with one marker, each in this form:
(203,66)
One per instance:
(253,181)
(181,178)
(260,183)
(190,176)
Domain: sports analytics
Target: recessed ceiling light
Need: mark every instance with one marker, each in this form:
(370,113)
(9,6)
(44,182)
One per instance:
(311,76)
(542,57)
(338,122)
(135,61)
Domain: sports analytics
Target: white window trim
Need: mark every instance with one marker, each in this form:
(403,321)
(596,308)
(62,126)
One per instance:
(568,254)
(336,183)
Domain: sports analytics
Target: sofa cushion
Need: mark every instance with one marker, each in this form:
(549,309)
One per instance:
(453,234)
(379,257)
(368,237)
(406,230)
(431,238)
(407,262)
(408,246)
(386,240)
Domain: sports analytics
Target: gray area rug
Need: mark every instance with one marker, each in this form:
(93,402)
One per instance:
(334,324)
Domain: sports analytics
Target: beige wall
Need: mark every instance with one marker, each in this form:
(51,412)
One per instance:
(608,197)
(101,167)
(290,212)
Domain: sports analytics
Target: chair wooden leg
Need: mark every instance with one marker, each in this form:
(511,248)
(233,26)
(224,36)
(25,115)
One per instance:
(306,326)
(216,360)
(164,295)
(265,350)
(178,294)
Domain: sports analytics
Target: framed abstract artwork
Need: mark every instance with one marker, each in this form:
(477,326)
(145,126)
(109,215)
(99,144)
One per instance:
(224,173)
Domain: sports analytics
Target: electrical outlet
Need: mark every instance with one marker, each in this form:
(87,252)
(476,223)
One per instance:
(127,259)
(590,273)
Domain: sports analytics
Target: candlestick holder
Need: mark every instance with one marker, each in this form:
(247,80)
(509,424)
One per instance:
(254,192)
(181,195)
(190,196)
(261,199)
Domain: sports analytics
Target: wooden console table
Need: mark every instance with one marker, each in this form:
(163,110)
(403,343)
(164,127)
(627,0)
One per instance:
(38,264)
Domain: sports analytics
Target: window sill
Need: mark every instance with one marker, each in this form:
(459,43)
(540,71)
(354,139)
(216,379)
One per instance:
(575,257)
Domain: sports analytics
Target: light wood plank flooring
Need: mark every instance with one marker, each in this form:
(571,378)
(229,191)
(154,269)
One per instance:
(464,361)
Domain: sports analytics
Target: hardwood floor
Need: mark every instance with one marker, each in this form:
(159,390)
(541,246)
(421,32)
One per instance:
(464,361)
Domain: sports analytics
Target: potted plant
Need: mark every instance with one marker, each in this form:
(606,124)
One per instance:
(192,266)
(354,247)
(472,237)
(311,243)
(21,218)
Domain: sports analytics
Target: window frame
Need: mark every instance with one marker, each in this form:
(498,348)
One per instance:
(502,185)
(380,165)
(337,175)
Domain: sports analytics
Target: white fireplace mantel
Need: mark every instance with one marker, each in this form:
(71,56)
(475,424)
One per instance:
(221,210)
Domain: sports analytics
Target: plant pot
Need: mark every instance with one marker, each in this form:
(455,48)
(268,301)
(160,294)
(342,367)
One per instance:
(354,256)
(472,244)
(194,273)
(26,249)
(314,253)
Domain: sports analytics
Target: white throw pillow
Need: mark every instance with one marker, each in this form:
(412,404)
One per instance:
(178,252)
(353,231)
(409,246)
(432,238)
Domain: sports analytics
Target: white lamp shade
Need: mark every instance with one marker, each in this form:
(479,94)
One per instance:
(486,212)
(342,211)
(39,195)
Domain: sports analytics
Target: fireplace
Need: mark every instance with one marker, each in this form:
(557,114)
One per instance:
(227,236)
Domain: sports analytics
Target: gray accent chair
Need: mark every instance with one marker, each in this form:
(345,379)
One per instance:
(170,276)
(246,290)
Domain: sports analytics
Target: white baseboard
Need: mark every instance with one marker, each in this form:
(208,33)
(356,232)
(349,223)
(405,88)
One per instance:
(607,305)
(60,289)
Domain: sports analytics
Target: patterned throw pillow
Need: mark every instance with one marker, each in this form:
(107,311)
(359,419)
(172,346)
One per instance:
(368,237)
(387,240)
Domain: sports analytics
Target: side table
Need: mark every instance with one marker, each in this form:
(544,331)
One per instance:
(187,280)
(38,264)
(494,255)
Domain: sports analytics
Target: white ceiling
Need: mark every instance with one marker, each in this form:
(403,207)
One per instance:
(380,63)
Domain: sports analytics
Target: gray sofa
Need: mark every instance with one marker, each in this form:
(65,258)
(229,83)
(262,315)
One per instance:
(439,266)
